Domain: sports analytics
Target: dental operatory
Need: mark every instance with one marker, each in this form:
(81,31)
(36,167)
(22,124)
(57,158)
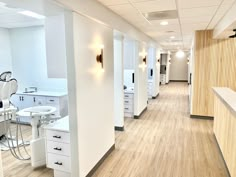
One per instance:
(117,88)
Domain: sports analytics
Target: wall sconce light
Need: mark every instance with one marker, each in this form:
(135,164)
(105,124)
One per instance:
(99,57)
(145,60)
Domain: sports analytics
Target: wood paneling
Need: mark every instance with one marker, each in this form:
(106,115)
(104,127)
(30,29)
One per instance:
(164,142)
(214,66)
(224,129)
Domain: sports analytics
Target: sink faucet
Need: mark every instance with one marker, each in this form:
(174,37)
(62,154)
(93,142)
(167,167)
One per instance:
(35,88)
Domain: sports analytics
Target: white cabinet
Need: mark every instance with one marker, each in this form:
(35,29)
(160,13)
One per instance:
(150,89)
(23,101)
(129,105)
(163,79)
(58,153)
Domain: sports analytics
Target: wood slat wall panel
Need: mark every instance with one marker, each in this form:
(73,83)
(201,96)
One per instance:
(214,65)
(224,129)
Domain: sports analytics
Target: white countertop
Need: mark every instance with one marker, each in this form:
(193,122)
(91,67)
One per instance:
(60,125)
(44,93)
(228,96)
(129,90)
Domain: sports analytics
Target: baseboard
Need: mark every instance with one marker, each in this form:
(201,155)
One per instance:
(178,81)
(201,117)
(101,161)
(218,146)
(119,128)
(137,117)
(154,97)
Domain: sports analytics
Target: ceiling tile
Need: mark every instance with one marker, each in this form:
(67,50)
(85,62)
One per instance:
(113,2)
(125,9)
(153,6)
(186,4)
(198,12)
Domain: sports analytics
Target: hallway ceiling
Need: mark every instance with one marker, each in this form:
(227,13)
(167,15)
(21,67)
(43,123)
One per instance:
(191,15)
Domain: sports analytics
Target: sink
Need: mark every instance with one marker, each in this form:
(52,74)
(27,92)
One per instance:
(37,111)
(29,91)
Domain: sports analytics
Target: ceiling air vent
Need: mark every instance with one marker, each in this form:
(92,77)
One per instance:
(162,15)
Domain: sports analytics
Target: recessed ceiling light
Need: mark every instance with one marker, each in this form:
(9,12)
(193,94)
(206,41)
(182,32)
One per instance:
(172,37)
(164,23)
(32,14)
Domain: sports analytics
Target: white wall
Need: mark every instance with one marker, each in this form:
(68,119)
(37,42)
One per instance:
(129,54)
(1,169)
(178,68)
(118,83)
(140,84)
(5,51)
(152,63)
(29,60)
(96,10)
(55,46)
(92,109)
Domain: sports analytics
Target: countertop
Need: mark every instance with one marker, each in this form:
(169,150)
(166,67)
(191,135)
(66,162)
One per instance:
(129,90)
(227,96)
(60,125)
(44,93)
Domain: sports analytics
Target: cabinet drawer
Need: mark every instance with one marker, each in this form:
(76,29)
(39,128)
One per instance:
(128,108)
(57,136)
(127,95)
(52,100)
(58,148)
(58,162)
(128,101)
(58,173)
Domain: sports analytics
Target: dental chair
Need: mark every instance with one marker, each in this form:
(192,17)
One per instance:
(8,87)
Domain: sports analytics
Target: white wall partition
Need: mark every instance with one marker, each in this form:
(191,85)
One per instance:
(118,82)
(5,51)
(1,169)
(178,68)
(29,63)
(153,65)
(91,90)
(140,83)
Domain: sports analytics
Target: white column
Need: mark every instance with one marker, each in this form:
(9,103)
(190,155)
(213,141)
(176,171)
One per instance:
(118,82)
(1,169)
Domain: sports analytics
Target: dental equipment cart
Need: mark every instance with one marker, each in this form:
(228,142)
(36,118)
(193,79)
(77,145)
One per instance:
(38,115)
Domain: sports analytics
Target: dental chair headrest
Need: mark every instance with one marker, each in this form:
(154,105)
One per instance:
(5,76)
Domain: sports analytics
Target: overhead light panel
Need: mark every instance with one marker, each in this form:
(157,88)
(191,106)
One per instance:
(164,23)
(32,14)
(172,37)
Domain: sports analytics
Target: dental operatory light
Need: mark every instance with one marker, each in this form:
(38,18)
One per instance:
(32,14)
(99,57)
(180,54)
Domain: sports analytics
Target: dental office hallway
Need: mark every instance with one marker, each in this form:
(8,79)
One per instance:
(165,142)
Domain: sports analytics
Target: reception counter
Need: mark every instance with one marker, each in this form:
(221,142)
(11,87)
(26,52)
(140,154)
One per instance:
(225,125)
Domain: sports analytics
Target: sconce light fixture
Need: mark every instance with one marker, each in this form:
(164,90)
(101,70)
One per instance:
(99,57)
(145,60)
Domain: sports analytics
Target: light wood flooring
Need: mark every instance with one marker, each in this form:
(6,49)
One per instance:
(164,142)
(16,168)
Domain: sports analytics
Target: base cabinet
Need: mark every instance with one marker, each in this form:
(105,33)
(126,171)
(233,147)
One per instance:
(129,105)
(22,101)
(58,152)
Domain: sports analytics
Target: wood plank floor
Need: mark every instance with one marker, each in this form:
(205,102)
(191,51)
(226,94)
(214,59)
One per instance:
(165,142)
(15,168)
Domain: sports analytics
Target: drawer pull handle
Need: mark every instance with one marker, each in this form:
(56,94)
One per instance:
(126,108)
(58,163)
(57,149)
(51,100)
(126,101)
(126,96)
(58,137)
